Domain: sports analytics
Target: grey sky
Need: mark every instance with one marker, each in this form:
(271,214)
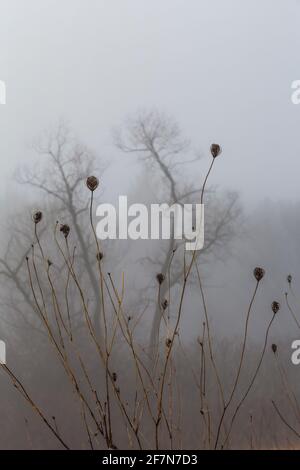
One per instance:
(222,68)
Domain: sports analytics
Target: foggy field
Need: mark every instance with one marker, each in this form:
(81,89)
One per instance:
(141,343)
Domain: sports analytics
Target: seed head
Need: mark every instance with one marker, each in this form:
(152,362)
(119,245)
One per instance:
(275,307)
(37,217)
(289,279)
(274,348)
(114,377)
(165,304)
(65,230)
(160,278)
(92,183)
(258,273)
(168,342)
(99,256)
(215,150)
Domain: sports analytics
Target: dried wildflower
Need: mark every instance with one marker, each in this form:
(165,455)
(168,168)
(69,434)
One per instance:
(114,377)
(275,307)
(165,304)
(289,278)
(49,263)
(160,278)
(215,150)
(258,273)
(274,348)
(37,217)
(99,256)
(65,230)
(92,183)
(168,342)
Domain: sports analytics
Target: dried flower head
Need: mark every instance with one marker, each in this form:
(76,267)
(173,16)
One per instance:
(99,256)
(65,230)
(114,377)
(275,307)
(258,273)
(168,342)
(49,263)
(92,183)
(215,150)
(274,348)
(160,278)
(37,217)
(165,304)
(289,278)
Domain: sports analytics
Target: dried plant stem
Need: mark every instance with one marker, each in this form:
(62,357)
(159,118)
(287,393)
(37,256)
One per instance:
(291,310)
(67,295)
(252,380)
(107,355)
(87,427)
(202,386)
(138,362)
(228,402)
(38,241)
(101,353)
(19,386)
(211,353)
(61,355)
(284,420)
(169,350)
(291,395)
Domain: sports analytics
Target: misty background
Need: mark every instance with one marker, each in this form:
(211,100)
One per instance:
(222,70)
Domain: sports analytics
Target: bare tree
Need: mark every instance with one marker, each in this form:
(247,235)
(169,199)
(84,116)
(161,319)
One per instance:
(65,164)
(159,144)
(63,167)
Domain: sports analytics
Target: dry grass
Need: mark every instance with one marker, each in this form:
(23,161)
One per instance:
(116,392)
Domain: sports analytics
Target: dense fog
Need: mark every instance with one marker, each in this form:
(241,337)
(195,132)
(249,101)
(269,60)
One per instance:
(185,350)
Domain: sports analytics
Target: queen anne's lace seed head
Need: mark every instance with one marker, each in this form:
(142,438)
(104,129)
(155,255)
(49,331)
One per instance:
(92,183)
(215,150)
(258,273)
(37,217)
